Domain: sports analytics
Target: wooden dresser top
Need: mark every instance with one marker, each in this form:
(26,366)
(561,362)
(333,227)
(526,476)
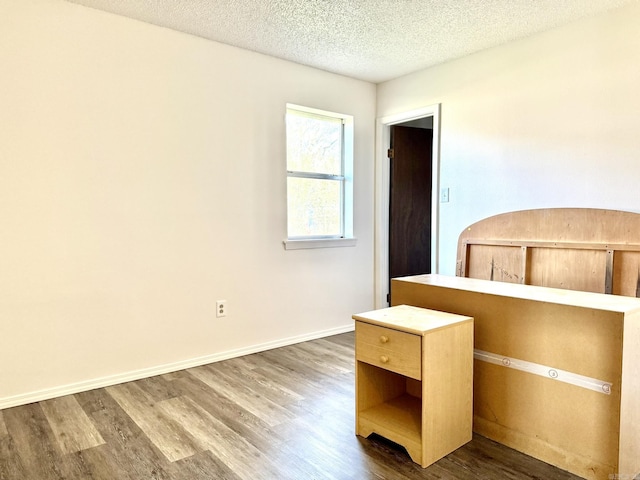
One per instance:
(406,318)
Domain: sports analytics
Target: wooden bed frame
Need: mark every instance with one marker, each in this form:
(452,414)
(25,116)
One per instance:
(557,370)
(583,249)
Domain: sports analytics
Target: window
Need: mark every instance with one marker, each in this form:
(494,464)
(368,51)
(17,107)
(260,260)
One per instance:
(319,178)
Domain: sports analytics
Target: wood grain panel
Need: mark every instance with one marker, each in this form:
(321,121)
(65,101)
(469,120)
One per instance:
(168,436)
(583,333)
(383,347)
(502,263)
(568,268)
(202,466)
(3,427)
(10,461)
(254,430)
(129,452)
(584,249)
(630,406)
(447,390)
(71,425)
(626,273)
(157,388)
(32,448)
(259,382)
(213,435)
(242,393)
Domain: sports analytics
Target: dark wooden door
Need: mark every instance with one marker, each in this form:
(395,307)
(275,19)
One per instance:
(410,201)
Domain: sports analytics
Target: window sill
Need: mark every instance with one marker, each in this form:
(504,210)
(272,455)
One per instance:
(319,243)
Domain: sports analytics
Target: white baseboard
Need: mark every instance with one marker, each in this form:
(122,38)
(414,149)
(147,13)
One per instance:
(92,384)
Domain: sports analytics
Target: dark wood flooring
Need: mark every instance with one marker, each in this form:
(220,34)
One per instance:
(286,413)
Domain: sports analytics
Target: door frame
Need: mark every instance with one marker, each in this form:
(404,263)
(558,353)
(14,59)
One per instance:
(382,178)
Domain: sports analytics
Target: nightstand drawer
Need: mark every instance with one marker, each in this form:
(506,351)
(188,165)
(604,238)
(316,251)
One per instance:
(390,349)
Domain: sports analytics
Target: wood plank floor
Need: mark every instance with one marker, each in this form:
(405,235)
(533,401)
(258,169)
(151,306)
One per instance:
(287,413)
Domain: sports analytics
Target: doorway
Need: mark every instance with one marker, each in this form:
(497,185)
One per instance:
(410,183)
(412,256)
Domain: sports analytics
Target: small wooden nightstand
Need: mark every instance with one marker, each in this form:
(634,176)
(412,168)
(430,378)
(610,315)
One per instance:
(414,379)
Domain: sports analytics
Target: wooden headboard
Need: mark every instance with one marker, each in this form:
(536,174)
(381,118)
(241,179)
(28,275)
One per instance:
(585,249)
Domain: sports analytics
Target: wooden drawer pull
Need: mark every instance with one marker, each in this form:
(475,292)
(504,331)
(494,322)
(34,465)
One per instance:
(384,359)
(384,339)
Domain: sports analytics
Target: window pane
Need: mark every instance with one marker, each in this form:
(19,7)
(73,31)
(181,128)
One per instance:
(314,207)
(314,143)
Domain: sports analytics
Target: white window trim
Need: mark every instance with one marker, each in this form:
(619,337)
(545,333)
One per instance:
(293,244)
(347,240)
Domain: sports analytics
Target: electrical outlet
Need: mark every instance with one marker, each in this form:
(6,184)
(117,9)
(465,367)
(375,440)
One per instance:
(221,308)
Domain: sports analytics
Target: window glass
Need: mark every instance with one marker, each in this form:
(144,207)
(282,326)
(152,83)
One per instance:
(319,180)
(314,207)
(314,143)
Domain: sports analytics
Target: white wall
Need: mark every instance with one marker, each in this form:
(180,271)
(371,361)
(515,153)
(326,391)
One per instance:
(549,121)
(142,177)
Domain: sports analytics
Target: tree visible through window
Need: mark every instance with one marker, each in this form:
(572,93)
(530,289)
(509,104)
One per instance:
(316,174)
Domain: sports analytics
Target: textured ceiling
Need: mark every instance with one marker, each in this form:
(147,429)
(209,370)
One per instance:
(373,40)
